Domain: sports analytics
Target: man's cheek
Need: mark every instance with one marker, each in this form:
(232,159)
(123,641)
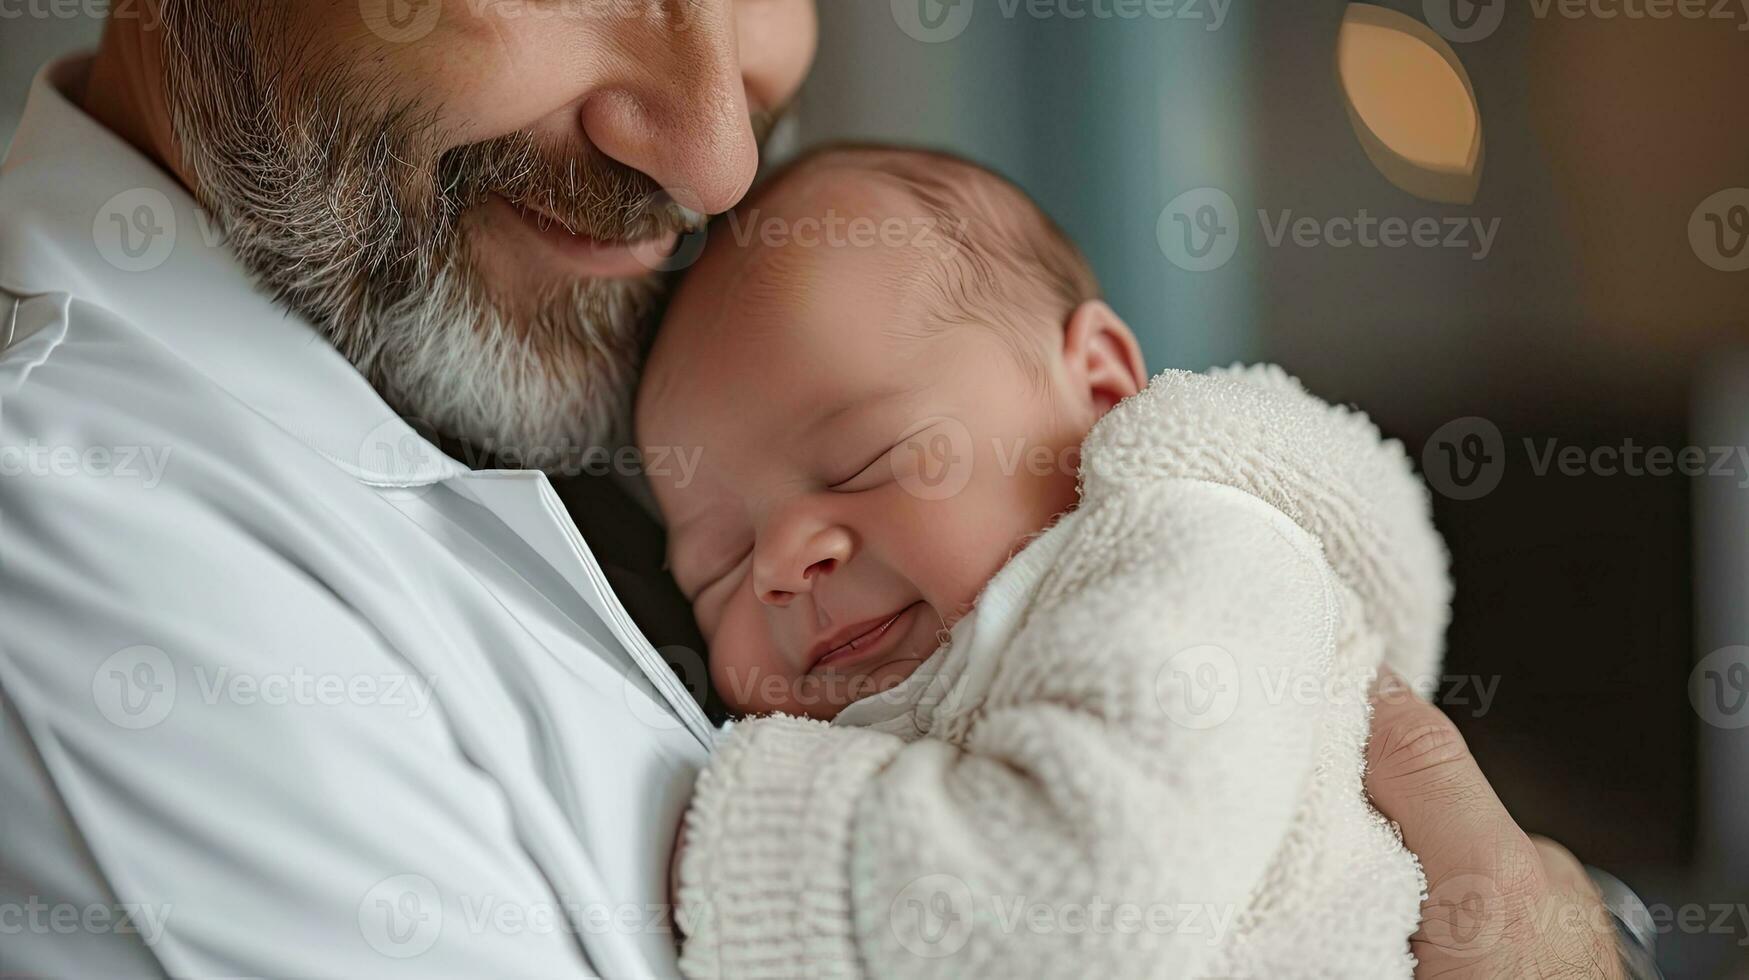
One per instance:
(484,82)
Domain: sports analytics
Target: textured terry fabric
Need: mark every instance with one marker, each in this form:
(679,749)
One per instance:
(1141,755)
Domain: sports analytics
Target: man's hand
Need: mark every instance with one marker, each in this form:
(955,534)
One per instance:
(1500,903)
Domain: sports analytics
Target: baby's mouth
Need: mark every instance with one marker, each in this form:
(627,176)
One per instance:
(861,641)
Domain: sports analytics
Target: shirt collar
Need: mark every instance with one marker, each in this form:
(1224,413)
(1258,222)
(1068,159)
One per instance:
(85,213)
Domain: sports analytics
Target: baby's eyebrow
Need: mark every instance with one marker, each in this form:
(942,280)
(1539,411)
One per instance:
(834,411)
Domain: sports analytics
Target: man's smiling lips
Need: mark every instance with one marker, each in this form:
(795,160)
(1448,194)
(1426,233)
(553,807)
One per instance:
(861,641)
(592,257)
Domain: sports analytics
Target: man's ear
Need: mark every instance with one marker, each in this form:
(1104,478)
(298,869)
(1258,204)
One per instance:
(1102,356)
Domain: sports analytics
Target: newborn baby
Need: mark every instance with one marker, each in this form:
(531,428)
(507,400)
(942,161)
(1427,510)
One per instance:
(1061,672)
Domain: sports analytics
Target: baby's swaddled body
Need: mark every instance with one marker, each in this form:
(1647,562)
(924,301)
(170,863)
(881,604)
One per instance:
(1139,756)
(1139,751)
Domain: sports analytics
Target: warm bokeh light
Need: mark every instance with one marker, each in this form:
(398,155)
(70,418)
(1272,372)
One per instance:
(1411,104)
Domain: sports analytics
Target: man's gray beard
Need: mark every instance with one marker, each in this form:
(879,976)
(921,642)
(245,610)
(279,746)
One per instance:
(347,216)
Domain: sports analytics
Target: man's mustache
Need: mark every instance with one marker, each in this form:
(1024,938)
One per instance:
(578,187)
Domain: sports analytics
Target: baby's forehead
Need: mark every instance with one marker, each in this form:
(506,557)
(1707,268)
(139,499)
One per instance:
(829,185)
(815,242)
(823,269)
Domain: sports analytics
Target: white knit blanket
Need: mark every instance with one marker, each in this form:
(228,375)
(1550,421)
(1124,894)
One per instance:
(1141,755)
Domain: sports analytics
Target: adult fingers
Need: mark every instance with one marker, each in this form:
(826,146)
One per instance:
(1483,873)
(1420,773)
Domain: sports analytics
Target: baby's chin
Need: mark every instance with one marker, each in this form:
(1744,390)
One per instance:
(876,681)
(821,694)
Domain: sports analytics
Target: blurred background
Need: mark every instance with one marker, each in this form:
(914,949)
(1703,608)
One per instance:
(1592,601)
(1574,307)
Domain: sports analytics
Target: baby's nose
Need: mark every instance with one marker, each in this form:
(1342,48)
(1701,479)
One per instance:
(782,597)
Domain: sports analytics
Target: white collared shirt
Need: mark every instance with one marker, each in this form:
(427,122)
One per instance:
(286,691)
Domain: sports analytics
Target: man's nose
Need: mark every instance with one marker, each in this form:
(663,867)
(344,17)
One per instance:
(797,559)
(675,105)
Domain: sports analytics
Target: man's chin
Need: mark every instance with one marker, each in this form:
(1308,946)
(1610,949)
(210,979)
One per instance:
(522,362)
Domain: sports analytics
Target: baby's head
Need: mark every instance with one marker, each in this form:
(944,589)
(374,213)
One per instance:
(884,362)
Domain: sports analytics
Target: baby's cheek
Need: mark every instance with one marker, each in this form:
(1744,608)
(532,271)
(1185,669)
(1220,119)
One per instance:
(745,668)
(953,547)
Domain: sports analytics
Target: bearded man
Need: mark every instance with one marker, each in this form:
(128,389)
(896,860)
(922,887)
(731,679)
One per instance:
(289,687)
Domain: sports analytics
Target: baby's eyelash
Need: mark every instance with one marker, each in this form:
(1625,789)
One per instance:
(860,470)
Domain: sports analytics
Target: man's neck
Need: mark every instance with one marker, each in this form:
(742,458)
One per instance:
(125,90)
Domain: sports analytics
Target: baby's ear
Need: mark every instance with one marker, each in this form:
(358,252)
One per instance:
(1101,356)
